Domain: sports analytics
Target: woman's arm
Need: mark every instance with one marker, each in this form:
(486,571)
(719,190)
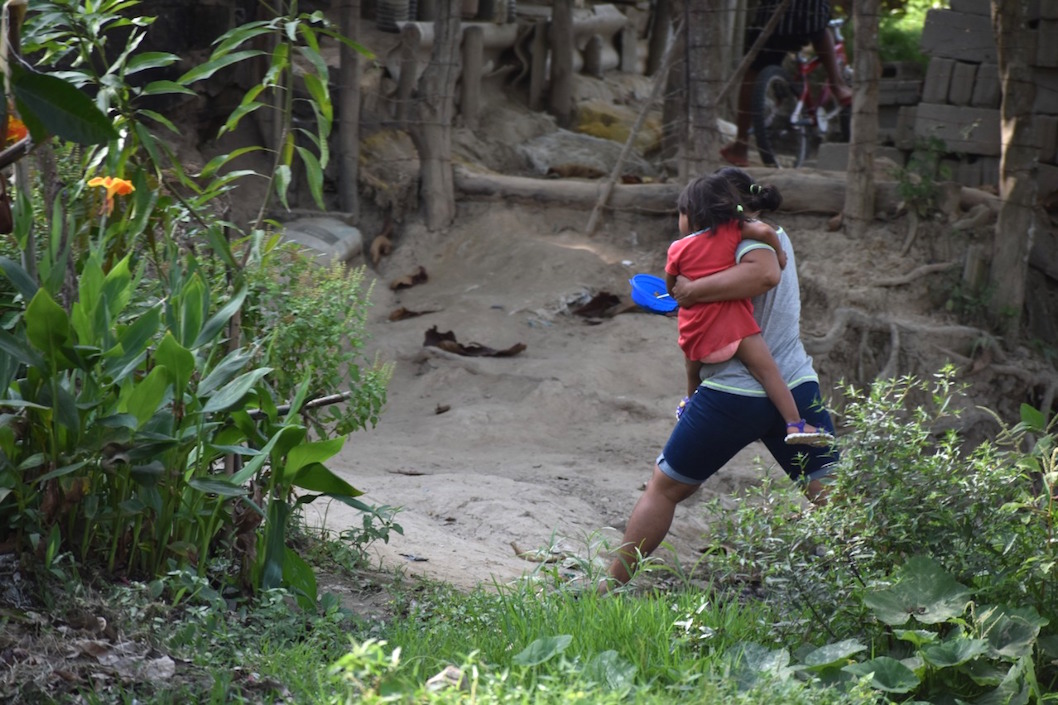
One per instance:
(757,272)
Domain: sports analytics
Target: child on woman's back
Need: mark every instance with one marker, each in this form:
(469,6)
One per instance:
(712,224)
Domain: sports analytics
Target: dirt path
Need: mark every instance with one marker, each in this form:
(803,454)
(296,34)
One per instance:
(548,447)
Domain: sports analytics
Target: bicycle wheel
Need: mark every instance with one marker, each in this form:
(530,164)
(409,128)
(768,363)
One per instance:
(779,141)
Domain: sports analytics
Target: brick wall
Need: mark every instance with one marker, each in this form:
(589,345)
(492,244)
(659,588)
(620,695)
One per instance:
(961,92)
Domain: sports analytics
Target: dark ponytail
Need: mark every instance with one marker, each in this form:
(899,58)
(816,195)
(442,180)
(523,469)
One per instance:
(755,197)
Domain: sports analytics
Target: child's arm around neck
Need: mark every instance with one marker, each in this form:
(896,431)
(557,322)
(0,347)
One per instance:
(761,231)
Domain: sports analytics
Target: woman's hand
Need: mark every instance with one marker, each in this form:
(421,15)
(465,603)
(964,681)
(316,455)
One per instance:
(683,292)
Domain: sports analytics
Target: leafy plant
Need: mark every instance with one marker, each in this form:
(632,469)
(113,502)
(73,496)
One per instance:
(901,488)
(953,648)
(918,181)
(138,426)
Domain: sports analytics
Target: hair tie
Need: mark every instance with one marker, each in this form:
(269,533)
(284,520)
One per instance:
(754,188)
(739,207)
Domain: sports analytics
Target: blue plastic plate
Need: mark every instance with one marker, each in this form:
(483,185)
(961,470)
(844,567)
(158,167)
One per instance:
(649,292)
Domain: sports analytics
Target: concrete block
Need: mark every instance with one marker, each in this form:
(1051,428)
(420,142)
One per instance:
(834,156)
(904,138)
(902,70)
(990,171)
(1046,180)
(962,83)
(896,91)
(938,80)
(1046,80)
(973,7)
(888,122)
(1047,43)
(968,173)
(1046,129)
(1044,253)
(958,35)
(963,129)
(987,93)
(1037,9)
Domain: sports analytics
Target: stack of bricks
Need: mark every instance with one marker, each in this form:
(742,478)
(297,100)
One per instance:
(961,94)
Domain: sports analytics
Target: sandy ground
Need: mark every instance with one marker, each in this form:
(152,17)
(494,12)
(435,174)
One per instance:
(550,447)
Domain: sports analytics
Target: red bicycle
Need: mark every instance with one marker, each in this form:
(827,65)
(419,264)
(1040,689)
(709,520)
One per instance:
(795,109)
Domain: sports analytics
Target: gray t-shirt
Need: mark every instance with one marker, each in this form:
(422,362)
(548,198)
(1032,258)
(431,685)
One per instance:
(778,312)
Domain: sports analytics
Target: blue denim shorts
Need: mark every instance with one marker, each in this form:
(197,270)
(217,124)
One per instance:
(717,425)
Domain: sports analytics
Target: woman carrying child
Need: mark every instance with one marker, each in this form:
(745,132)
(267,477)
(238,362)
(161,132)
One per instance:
(730,408)
(713,224)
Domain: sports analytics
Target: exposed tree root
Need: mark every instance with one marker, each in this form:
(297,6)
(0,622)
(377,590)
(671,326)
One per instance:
(916,273)
(855,318)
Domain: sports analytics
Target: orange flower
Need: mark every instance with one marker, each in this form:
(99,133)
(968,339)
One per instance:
(114,187)
(16,129)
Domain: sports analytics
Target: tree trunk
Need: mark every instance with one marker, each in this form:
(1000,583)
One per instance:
(705,66)
(674,109)
(1016,225)
(859,196)
(432,129)
(561,94)
(660,29)
(349,111)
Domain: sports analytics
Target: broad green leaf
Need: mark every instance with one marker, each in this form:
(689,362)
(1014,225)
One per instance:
(194,303)
(833,654)
(543,649)
(285,435)
(21,351)
(918,637)
(59,472)
(311,52)
(224,371)
(275,549)
(233,392)
(83,316)
(953,652)
(922,590)
(117,291)
(1014,689)
(220,160)
(237,115)
(220,319)
(314,452)
(611,671)
(750,662)
(146,395)
(177,361)
(149,60)
(217,486)
(60,109)
(164,87)
(315,477)
(19,277)
(299,576)
(1033,418)
(160,119)
(66,413)
(239,35)
(282,184)
(1011,632)
(203,71)
(314,173)
(886,674)
(47,326)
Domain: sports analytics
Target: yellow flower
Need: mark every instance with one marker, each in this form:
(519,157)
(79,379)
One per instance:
(16,129)
(114,187)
